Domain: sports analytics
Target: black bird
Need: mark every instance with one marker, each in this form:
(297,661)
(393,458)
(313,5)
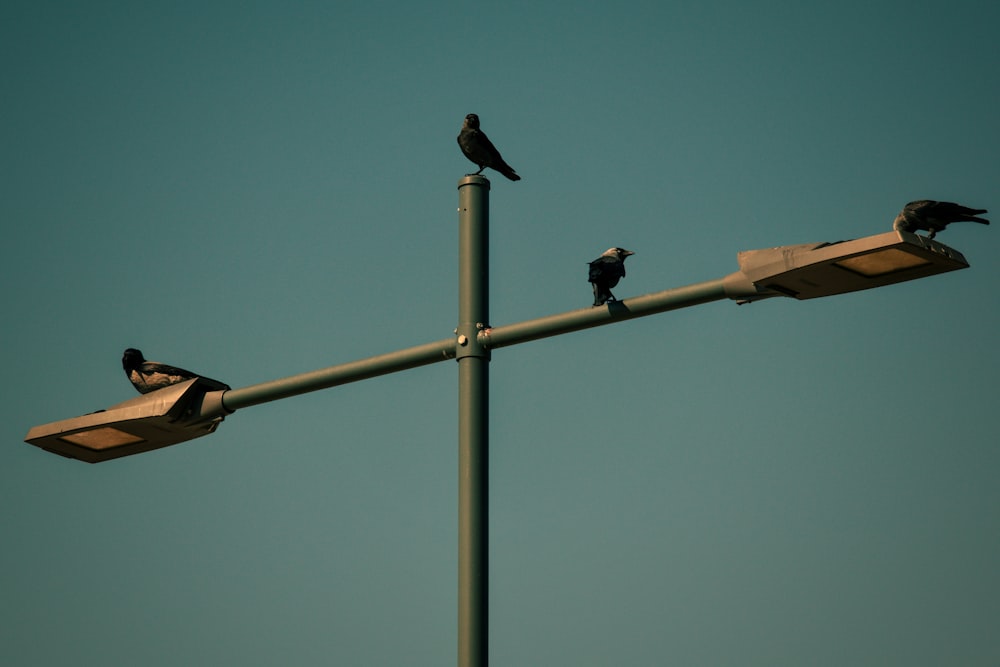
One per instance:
(934,216)
(605,271)
(147,376)
(478,148)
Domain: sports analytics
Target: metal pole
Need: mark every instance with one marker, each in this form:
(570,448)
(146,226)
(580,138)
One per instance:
(473,421)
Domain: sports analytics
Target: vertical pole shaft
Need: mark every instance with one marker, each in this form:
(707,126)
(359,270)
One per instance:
(473,422)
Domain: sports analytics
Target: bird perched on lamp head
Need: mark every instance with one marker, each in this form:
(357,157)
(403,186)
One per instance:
(934,216)
(147,376)
(605,272)
(477,147)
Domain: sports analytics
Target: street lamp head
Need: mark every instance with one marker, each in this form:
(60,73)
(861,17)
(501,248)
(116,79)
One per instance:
(160,418)
(813,270)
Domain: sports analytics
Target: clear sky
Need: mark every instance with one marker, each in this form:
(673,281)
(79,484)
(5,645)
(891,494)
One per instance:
(257,189)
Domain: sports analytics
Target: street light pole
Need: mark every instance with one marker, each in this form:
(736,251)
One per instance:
(186,411)
(473,421)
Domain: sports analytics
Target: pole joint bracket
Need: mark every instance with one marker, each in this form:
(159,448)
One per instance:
(469,342)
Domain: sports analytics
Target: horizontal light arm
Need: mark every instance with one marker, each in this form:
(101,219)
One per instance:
(333,376)
(613,311)
(806,271)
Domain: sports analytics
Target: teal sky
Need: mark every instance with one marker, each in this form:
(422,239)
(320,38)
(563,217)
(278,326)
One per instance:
(257,189)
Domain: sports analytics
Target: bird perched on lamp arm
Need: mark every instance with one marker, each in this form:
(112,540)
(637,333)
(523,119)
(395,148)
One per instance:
(605,272)
(147,376)
(933,216)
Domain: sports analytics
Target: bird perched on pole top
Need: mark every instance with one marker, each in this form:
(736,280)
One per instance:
(147,376)
(605,272)
(934,216)
(477,147)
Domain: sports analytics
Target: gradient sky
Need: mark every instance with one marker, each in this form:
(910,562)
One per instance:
(258,189)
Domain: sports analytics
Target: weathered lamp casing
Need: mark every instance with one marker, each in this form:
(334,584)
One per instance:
(160,418)
(812,270)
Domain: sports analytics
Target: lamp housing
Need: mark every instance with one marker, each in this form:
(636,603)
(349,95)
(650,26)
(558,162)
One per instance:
(164,417)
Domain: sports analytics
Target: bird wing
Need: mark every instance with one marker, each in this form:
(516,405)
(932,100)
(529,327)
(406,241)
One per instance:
(606,268)
(919,204)
(154,367)
(480,149)
(486,144)
(164,369)
(596,269)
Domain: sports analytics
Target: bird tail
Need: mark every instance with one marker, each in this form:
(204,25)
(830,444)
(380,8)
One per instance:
(601,295)
(966,214)
(508,171)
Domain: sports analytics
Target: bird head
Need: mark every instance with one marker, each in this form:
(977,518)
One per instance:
(902,222)
(132,359)
(620,253)
(472,121)
(908,219)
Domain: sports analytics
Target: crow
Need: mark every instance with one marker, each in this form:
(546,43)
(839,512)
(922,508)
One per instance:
(605,271)
(934,216)
(147,376)
(477,147)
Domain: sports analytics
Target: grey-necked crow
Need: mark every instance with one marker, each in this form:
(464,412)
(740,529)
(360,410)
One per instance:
(605,272)
(934,216)
(147,376)
(477,147)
